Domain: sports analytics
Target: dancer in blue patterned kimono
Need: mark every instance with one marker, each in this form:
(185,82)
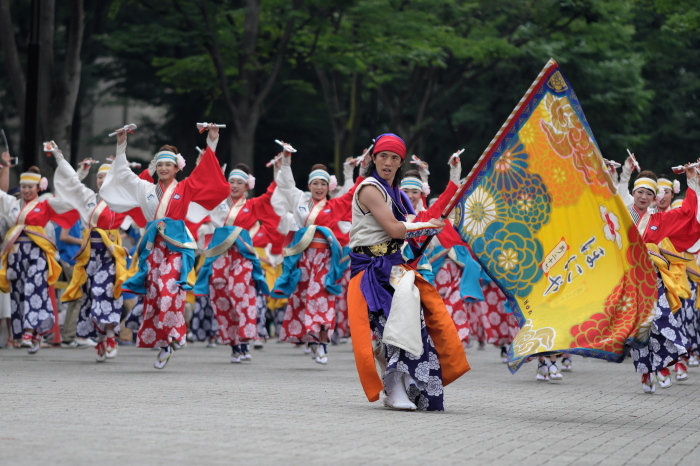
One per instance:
(100,267)
(28,259)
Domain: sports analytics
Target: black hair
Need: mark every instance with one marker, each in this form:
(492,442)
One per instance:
(243,167)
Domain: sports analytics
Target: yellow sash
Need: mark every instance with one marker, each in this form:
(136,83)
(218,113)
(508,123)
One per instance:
(671,265)
(694,276)
(38,237)
(113,241)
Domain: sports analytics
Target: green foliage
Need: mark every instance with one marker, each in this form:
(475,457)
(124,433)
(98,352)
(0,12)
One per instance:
(444,74)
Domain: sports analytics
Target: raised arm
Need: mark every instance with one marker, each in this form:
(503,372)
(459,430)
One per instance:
(5,172)
(70,192)
(207,185)
(348,182)
(286,196)
(623,186)
(123,190)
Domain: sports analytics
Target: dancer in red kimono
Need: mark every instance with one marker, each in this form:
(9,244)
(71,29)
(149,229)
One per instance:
(166,250)
(312,270)
(231,274)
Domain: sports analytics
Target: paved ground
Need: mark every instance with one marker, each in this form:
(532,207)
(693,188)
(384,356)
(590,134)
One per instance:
(60,407)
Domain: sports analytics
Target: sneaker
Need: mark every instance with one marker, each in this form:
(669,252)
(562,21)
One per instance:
(566,365)
(681,372)
(694,361)
(85,343)
(27,340)
(542,371)
(69,344)
(36,344)
(258,344)
(163,356)
(101,352)
(482,346)
(504,354)
(554,374)
(236,354)
(664,377)
(649,383)
(110,348)
(211,343)
(308,350)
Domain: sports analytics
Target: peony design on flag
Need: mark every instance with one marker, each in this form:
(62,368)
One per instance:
(541,215)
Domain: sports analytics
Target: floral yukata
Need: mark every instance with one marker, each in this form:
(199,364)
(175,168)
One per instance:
(312,270)
(232,276)
(668,235)
(100,268)
(28,263)
(166,251)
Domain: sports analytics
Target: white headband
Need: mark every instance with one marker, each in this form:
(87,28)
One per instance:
(647,183)
(411,182)
(239,174)
(34,178)
(324,176)
(169,156)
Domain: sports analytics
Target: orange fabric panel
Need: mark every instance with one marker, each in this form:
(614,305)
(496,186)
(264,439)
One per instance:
(441,328)
(358,315)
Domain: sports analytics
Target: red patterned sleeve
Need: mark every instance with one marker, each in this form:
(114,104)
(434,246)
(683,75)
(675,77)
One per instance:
(263,210)
(681,225)
(207,185)
(64,220)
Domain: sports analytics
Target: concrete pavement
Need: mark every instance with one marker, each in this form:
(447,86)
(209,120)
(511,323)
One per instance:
(60,407)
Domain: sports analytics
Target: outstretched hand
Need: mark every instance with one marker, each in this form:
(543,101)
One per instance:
(121,136)
(213,132)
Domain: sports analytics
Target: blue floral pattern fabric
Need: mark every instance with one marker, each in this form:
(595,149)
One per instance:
(262,315)
(135,317)
(203,324)
(668,340)
(689,317)
(27,272)
(427,391)
(99,308)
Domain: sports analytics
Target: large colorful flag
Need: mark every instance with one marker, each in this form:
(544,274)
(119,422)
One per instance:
(542,217)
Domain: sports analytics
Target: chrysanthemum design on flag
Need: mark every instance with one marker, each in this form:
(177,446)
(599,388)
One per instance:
(542,216)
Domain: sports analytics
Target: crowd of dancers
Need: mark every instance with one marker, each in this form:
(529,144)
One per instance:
(310,267)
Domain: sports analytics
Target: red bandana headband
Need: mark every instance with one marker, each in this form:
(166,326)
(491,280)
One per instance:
(390,142)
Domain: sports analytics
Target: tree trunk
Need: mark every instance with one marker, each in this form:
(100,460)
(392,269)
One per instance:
(345,113)
(242,135)
(11,58)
